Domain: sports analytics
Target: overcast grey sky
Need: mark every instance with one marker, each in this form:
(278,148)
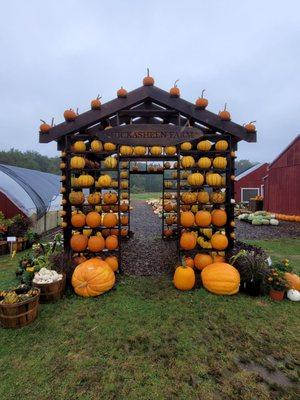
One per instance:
(59,54)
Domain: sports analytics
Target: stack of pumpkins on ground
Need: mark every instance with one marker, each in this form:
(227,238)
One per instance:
(217,276)
(290,218)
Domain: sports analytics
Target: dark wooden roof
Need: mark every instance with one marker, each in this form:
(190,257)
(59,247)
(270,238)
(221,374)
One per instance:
(147,104)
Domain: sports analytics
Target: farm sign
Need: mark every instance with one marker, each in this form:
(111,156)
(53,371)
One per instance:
(150,134)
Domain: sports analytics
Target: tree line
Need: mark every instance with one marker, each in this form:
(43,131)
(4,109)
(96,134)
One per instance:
(139,183)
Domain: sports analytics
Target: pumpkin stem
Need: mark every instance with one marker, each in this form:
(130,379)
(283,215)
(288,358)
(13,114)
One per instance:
(148,72)
(98,97)
(77,110)
(183,262)
(252,122)
(175,83)
(225,106)
(42,121)
(202,93)
(52,121)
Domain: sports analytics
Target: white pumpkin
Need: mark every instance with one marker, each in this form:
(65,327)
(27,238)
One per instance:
(274,221)
(293,295)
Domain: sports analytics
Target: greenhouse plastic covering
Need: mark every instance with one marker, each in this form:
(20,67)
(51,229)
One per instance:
(30,190)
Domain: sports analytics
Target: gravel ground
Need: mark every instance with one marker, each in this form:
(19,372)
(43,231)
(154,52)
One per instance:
(146,253)
(244,230)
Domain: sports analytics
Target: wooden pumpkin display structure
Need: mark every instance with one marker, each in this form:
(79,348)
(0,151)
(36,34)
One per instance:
(190,147)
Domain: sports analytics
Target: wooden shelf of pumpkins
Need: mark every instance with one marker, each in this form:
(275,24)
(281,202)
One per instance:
(84,238)
(207,219)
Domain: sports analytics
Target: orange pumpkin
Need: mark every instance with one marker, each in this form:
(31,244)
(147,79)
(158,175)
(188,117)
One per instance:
(70,115)
(111,242)
(293,280)
(96,103)
(110,220)
(174,91)
(110,198)
(188,241)
(201,102)
(124,219)
(148,80)
(219,241)
(224,114)
(189,261)
(96,243)
(93,219)
(122,93)
(78,220)
(201,260)
(94,198)
(92,278)
(218,217)
(78,242)
(187,219)
(203,218)
(112,261)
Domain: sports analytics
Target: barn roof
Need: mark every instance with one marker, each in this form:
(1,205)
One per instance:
(249,171)
(41,188)
(147,104)
(285,150)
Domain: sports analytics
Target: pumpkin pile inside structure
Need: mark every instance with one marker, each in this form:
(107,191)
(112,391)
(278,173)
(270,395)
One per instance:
(196,152)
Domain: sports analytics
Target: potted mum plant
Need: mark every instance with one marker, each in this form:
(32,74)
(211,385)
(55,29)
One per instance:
(277,284)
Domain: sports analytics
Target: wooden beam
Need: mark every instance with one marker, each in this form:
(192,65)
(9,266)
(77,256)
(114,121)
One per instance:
(92,117)
(149,94)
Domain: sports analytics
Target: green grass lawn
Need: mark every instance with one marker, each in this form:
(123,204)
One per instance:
(146,340)
(145,196)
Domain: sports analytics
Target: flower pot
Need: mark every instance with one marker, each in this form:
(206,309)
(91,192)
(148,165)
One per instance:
(276,295)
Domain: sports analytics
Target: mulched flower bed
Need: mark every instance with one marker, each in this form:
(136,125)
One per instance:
(244,230)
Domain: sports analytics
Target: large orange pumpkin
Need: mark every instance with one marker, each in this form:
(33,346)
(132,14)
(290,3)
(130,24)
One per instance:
(93,219)
(218,217)
(78,220)
(221,278)
(96,243)
(219,241)
(201,260)
(113,262)
(110,220)
(293,280)
(92,278)
(78,242)
(203,218)
(187,219)
(111,242)
(188,241)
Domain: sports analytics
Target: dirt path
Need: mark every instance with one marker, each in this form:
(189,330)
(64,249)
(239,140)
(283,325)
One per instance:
(146,253)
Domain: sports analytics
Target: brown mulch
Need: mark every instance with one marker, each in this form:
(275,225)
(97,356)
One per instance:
(146,253)
(244,230)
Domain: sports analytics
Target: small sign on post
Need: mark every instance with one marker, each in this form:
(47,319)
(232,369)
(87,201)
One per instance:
(11,240)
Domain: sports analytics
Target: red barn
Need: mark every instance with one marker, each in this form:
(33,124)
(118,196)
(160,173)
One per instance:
(282,182)
(250,183)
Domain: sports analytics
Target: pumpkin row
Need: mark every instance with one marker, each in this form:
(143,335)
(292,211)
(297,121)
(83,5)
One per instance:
(78,198)
(93,219)
(123,231)
(104,181)
(189,240)
(97,146)
(95,244)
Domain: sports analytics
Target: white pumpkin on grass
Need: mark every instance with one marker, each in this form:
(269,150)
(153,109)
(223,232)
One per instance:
(293,295)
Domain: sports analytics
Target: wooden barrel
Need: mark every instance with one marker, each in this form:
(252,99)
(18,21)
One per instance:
(19,314)
(51,291)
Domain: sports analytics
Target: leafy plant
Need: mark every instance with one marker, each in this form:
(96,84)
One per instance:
(253,267)
(18,225)
(275,280)
(283,266)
